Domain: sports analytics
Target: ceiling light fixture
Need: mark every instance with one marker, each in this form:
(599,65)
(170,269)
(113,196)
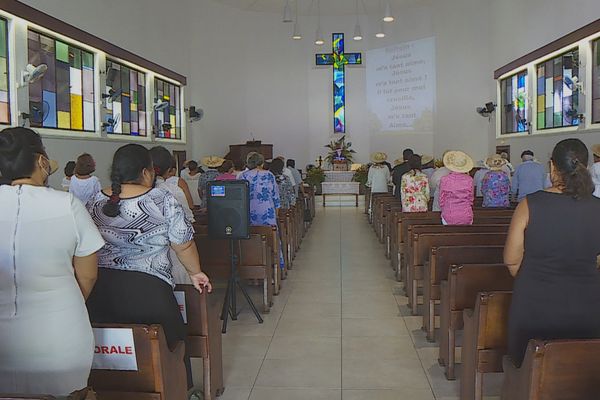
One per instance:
(319,41)
(287,12)
(381,32)
(388,17)
(357,30)
(296,35)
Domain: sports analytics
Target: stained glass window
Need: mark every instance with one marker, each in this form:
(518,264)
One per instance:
(64,97)
(596,82)
(170,115)
(125,97)
(557,93)
(515,104)
(4,92)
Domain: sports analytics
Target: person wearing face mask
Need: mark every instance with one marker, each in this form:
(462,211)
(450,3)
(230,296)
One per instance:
(141,224)
(48,266)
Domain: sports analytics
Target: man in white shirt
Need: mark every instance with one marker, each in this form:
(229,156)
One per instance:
(291,167)
(595,169)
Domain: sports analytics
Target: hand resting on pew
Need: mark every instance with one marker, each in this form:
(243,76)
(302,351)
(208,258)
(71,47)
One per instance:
(187,253)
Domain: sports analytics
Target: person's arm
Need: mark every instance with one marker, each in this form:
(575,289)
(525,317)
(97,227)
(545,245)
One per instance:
(442,193)
(187,253)
(515,241)
(369,178)
(86,272)
(186,190)
(515,183)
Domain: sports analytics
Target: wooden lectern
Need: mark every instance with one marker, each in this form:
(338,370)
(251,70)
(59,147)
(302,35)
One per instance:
(238,152)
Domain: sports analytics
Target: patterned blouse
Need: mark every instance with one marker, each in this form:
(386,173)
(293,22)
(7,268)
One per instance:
(264,197)
(495,188)
(206,177)
(287,194)
(456,199)
(414,191)
(139,238)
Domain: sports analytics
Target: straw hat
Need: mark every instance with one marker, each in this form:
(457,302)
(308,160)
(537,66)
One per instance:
(378,157)
(425,159)
(399,161)
(596,150)
(495,162)
(213,161)
(458,161)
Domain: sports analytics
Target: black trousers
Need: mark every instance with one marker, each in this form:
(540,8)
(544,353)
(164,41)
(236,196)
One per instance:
(130,297)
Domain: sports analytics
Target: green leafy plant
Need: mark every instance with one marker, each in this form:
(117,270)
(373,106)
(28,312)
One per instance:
(339,151)
(315,176)
(361,175)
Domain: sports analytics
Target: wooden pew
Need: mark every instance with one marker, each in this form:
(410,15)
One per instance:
(436,271)
(160,372)
(459,292)
(26,397)
(484,341)
(204,338)
(383,205)
(377,208)
(286,237)
(374,198)
(274,243)
(426,237)
(554,370)
(255,261)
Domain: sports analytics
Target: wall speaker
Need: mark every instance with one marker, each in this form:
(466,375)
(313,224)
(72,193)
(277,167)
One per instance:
(228,209)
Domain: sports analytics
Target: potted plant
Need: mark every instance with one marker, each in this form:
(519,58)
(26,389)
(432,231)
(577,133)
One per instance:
(361,175)
(340,153)
(314,177)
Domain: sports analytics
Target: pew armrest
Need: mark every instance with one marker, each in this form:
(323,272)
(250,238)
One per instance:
(518,381)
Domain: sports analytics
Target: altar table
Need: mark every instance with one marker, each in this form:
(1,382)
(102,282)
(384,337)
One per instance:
(340,188)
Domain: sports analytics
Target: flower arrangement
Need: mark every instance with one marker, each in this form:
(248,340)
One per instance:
(340,152)
(361,175)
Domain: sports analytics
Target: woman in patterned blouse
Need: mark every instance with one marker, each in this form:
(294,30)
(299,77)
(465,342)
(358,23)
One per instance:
(264,193)
(456,190)
(414,189)
(495,185)
(286,188)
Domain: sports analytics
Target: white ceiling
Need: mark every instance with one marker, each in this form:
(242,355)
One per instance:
(328,7)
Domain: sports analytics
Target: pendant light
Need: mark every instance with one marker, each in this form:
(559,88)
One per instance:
(296,35)
(388,17)
(287,12)
(319,41)
(357,30)
(381,32)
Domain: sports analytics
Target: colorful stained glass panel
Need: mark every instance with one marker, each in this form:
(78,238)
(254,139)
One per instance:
(558,92)
(596,82)
(4,90)
(171,115)
(515,104)
(64,97)
(126,100)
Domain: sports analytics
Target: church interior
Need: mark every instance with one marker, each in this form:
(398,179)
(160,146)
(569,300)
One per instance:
(364,278)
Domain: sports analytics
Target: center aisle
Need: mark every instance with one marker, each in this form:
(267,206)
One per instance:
(337,329)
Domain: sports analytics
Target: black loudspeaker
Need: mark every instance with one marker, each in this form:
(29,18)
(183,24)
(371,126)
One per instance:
(228,209)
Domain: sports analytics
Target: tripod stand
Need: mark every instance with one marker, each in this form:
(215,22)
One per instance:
(230,301)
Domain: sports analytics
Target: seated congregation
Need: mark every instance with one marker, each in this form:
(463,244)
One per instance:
(518,279)
(107,290)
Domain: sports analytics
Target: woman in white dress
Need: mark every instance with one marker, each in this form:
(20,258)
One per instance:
(84,185)
(379,174)
(191,175)
(69,172)
(48,266)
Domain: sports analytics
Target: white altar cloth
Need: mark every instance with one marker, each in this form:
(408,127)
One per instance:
(339,176)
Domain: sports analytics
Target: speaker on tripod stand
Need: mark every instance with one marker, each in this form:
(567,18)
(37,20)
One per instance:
(229,218)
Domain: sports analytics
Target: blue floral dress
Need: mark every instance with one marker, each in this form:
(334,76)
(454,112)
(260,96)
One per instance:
(495,188)
(264,197)
(286,191)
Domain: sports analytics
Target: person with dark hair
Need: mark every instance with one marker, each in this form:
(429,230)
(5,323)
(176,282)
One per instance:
(141,224)
(284,184)
(191,174)
(529,177)
(595,169)
(48,267)
(551,249)
(69,172)
(226,172)
(165,167)
(84,185)
(264,192)
(414,188)
(400,169)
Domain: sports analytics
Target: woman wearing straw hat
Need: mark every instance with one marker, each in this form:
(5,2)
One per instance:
(495,186)
(212,162)
(379,174)
(595,169)
(456,190)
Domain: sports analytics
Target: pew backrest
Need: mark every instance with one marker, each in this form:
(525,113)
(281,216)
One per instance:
(491,309)
(442,257)
(466,280)
(423,243)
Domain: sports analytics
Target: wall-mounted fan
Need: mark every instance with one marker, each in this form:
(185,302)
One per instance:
(486,110)
(32,73)
(111,122)
(160,105)
(195,114)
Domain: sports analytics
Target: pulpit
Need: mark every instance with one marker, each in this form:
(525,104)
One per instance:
(238,152)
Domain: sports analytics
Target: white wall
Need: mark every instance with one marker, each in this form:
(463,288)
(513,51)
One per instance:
(136,26)
(543,21)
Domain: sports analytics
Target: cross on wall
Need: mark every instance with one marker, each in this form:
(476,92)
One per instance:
(339,59)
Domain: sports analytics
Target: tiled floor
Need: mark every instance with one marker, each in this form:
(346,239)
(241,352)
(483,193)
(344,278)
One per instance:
(338,330)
